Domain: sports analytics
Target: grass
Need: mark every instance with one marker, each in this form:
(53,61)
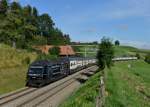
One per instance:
(12,79)
(129,51)
(88,49)
(125,87)
(10,57)
(128,87)
(12,68)
(86,95)
(124,50)
(119,51)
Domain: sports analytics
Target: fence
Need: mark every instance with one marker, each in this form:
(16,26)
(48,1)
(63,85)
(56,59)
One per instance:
(100,101)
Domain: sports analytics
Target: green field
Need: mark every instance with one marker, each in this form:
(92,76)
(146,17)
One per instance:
(124,50)
(12,78)
(129,51)
(89,50)
(13,68)
(119,51)
(125,87)
(128,87)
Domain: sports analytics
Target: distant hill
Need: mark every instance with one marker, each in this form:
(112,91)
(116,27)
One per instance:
(125,50)
(129,51)
(119,50)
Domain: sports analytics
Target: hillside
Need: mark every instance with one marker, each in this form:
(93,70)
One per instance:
(124,50)
(119,50)
(90,50)
(129,51)
(10,57)
(124,87)
(128,87)
(13,68)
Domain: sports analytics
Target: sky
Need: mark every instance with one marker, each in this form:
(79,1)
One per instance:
(89,20)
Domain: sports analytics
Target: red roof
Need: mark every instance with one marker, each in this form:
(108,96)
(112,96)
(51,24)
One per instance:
(64,50)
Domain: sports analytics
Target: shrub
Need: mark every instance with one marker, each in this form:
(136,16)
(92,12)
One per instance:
(43,56)
(138,55)
(147,58)
(117,43)
(54,51)
(27,60)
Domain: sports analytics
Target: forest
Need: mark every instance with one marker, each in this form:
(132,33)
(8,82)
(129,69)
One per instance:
(23,27)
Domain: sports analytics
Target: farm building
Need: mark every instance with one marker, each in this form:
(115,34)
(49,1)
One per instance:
(64,50)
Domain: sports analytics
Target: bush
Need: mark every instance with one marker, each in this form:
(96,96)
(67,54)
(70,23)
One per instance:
(43,56)
(117,43)
(147,58)
(54,51)
(27,60)
(138,55)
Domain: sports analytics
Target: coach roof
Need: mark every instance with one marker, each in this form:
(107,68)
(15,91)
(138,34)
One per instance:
(44,63)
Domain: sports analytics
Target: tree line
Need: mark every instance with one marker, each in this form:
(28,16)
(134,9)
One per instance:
(23,27)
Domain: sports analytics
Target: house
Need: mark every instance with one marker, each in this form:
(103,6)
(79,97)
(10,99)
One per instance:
(64,50)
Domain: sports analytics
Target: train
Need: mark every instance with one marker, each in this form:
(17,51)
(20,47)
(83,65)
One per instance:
(124,58)
(43,72)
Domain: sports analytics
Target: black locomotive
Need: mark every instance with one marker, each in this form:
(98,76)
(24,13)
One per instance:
(43,72)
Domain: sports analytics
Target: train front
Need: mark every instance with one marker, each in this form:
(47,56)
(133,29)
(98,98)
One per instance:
(35,75)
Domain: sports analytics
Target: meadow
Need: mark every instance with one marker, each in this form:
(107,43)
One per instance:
(128,87)
(125,87)
(13,68)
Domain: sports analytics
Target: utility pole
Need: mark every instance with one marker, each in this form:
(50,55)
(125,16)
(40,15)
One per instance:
(85,52)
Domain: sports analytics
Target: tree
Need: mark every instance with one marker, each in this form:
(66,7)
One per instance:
(15,7)
(3,6)
(95,43)
(45,25)
(147,58)
(105,53)
(104,56)
(56,37)
(30,25)
(66,38)
(24,27)
(27,11)
(117,43)
(10,26)
(54,51)
(138,55)
(34,12)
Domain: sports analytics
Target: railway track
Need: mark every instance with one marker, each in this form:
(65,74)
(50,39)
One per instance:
(46,94)
(15,95)
(50,93)
(34,97)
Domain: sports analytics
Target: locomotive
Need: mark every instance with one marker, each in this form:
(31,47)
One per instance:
(44,72)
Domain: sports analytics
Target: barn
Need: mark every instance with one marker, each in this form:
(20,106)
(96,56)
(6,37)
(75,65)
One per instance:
(65,50)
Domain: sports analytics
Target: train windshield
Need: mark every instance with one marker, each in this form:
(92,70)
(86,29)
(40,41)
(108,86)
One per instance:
(36,70)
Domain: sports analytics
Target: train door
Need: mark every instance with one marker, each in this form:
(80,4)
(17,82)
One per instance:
(56,71)
(49,72)
(62,69)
